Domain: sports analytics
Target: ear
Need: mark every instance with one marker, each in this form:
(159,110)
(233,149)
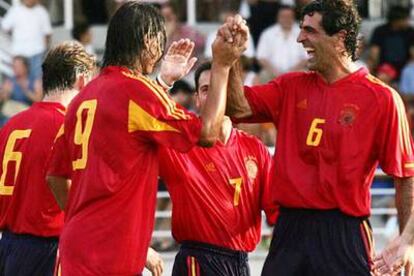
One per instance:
(80,82)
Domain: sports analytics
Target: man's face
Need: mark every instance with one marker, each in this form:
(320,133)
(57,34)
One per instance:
(203,86)
(321,47)
(19,68)
(30,3)
(286,18)
(168,14)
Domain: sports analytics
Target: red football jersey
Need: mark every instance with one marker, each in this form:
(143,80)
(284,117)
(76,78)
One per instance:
(112,132)
(27,206)
(331,138)
(218,193)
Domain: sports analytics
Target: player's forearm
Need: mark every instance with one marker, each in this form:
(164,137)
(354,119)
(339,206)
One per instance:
(408,233)
(404,199)
(213,111)
(60,188)
(237,105)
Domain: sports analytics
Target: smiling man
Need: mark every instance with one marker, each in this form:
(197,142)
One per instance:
(335,124)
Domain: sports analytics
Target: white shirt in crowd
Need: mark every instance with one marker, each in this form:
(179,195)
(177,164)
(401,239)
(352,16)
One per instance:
(29,26)
(210,39)
(280,49)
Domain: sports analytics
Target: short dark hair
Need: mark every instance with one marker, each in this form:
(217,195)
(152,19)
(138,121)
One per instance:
(338,15)
(62,65)
(200,69)
(397,12)
(131,23)
(181,85)
(79,30)
(24,60)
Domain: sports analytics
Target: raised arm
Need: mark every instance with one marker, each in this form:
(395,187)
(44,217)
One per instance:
(237,105)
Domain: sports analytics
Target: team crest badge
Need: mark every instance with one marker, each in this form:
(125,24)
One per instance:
(348,114)
(251,167)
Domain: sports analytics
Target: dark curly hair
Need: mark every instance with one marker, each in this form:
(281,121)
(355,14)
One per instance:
(338,15)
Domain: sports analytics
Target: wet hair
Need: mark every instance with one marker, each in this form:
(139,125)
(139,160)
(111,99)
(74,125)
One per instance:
(127,30)
(63,64)
(338,15)
(396,13)
(79,30)
(200,69)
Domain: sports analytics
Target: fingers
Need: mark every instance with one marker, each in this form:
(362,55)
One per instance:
(190,64)
(182,47)
(225,32)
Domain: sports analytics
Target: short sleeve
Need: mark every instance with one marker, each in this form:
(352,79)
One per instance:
(153,114)
(265,102)
(59,163)
(394,139)
(46,25)
(8,21)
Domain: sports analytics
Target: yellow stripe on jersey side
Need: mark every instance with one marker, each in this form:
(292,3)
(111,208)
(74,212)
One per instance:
(402,117)
(169,104)
(60,132)
(193,267)
(409,165)
(140,120)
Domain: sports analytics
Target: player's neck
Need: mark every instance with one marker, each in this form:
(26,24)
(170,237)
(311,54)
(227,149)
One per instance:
(340,70)
(62,97)
(225,130)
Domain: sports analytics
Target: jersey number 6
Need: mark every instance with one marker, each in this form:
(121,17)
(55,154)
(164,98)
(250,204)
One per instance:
(11,155)
(315,133)
(83,131)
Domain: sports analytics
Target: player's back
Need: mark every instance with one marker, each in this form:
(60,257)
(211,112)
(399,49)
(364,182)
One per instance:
(112,129)
(26,204)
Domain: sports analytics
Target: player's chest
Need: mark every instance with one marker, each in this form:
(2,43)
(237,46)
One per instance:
(327,117)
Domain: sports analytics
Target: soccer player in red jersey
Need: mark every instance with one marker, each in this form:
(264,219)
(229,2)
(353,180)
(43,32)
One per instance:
(335,125)
(30,219)
(218,194)
(112,132)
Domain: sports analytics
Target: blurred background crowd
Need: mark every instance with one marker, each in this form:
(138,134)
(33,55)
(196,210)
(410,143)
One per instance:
(30,27)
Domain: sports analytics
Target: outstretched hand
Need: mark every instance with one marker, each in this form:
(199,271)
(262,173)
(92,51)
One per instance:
(177,62)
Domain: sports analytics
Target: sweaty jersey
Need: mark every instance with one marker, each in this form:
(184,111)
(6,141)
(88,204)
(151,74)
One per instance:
(218,193)
(331,138)
(112,132)
(27,206)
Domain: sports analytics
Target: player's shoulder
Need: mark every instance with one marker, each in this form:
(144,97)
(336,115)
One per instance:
(297,76)
(381,90)
(248,139)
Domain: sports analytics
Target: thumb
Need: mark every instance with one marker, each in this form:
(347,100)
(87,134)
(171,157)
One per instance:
(190,64)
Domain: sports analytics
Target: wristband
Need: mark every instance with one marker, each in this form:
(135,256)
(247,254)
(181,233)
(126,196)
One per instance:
(162,83)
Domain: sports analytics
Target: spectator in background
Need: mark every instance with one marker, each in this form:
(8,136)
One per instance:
(22,89)
(29,25)
(176,30)
(182,93)
(407,77)
(224,14)
(386,73)
(82,33)
(278,52)
(391,42)
(262,15)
